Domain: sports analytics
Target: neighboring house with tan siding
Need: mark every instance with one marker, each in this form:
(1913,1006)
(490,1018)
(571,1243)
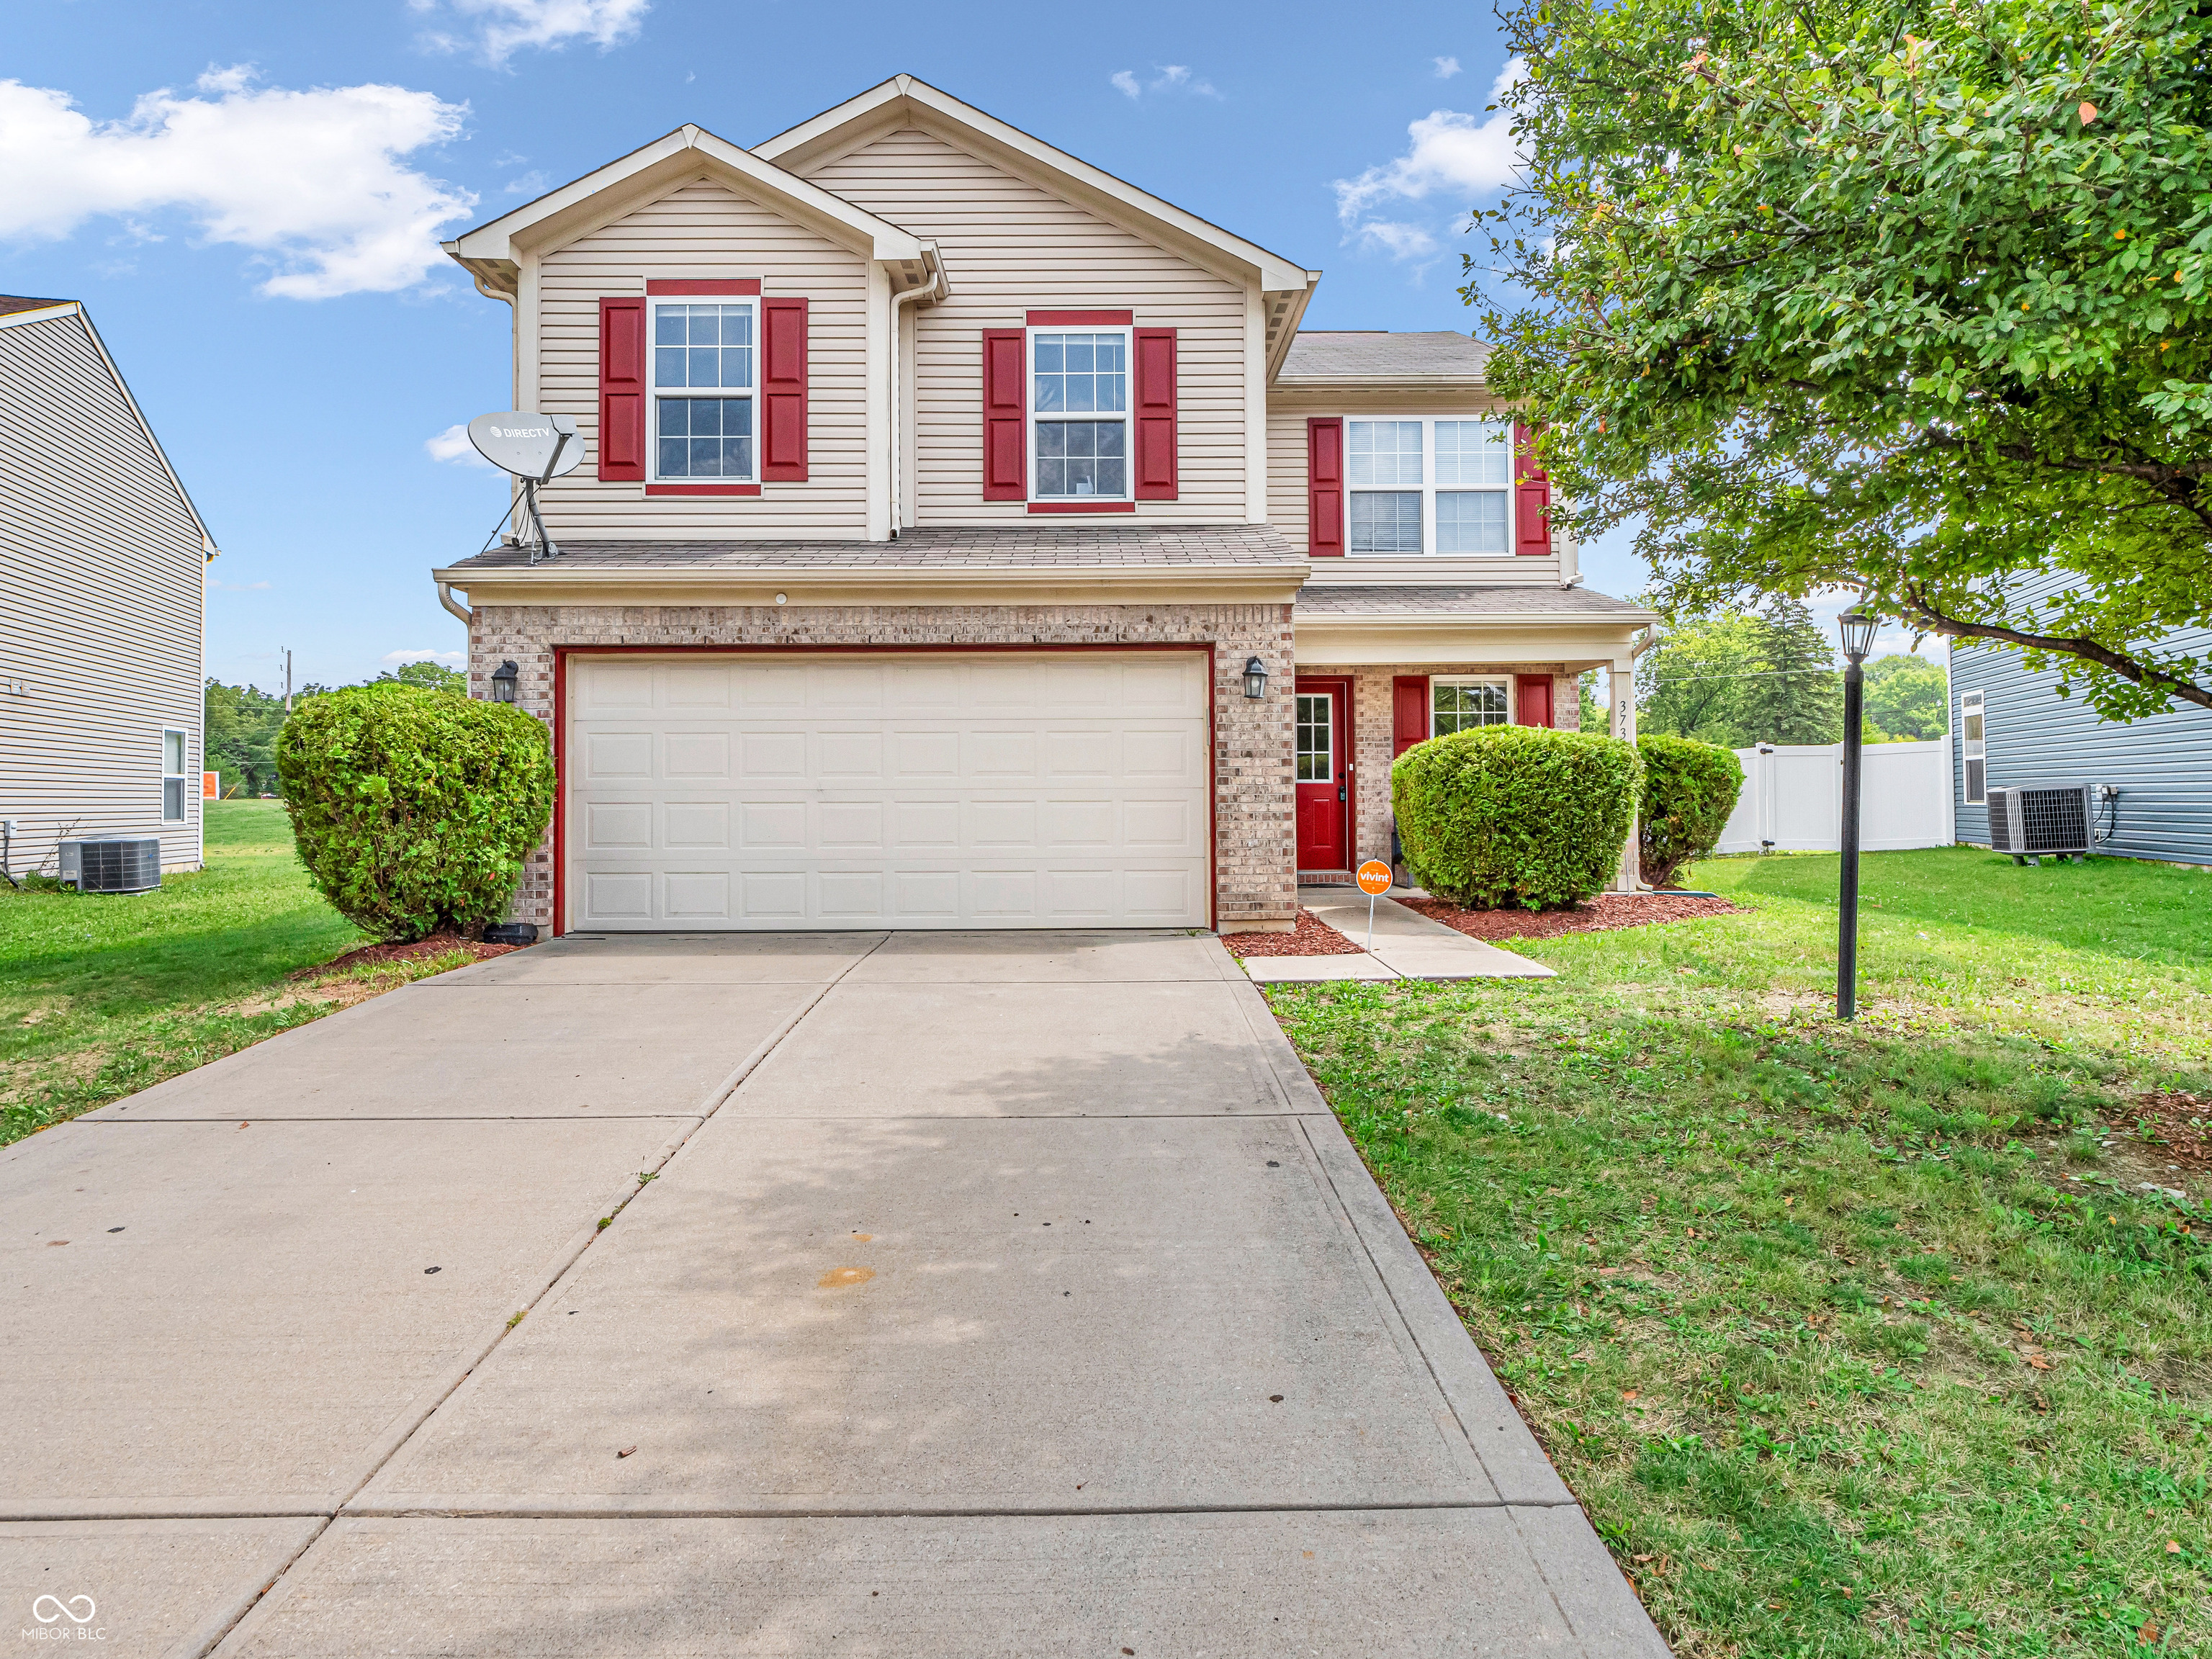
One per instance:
(103,608)
(940,490)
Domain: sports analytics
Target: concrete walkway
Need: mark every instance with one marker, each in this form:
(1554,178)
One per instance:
(1407,945)
(963,1294)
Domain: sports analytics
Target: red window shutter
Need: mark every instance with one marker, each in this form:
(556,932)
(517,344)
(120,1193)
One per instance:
(1325,490)
(1006,408)
(783,391)
(1532,694)
(622,391)
(1156,414)
(1409,712)
(1532,498)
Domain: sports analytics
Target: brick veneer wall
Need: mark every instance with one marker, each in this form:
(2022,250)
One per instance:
(1255,828)
(1373,726)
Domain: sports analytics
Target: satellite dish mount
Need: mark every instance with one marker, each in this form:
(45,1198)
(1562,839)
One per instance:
(536,449)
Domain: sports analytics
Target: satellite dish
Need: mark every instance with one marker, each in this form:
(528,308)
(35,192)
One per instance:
(539,447)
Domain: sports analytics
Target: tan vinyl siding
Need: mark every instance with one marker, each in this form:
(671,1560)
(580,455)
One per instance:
(1010,246)
(101,613)
(1287,491)
(704,228)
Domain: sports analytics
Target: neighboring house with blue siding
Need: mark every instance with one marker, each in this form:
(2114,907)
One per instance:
(2031,736)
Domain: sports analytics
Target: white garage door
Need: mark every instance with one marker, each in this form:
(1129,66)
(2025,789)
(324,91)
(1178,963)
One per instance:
(887,791)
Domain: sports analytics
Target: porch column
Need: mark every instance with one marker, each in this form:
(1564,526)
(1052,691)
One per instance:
(1622,689)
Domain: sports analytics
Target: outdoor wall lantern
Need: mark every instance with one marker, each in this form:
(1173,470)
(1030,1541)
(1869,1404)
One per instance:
(1256,678)
(1857,628)
(502,681)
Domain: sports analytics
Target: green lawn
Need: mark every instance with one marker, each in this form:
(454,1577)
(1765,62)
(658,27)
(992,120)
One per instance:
(1852,1341)
(103,994)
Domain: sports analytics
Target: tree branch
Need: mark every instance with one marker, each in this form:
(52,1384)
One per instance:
(1917,605)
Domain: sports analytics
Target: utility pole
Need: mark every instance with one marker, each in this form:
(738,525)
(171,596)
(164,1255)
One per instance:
(288,679)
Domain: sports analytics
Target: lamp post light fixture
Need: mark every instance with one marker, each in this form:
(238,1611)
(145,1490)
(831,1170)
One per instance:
(1857,628)
(1256,678)
(502,681)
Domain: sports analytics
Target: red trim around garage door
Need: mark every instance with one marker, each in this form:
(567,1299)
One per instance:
(562,653)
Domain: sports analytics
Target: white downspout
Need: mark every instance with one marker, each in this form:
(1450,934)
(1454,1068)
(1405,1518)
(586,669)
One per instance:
(446,598)
(933,290)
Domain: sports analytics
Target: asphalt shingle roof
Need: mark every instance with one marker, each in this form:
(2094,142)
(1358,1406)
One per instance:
(1322,354)
(1547,600)
(1162,546)
(12,303)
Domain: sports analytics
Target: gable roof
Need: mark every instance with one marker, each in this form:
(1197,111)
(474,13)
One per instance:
(488,251)
(1334,357)
(19,311)
(906,100)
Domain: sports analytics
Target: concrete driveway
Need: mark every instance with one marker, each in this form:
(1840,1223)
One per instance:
(853,1294)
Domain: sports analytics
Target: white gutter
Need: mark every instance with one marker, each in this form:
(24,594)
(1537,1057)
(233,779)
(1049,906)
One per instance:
(938,289)
(446,598)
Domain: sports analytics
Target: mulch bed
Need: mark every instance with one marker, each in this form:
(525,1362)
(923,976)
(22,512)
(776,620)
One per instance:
(1600,914)
(438,944)
(1315,938)
(2168,1115)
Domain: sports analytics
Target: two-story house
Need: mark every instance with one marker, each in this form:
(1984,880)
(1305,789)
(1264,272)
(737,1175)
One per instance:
(967,538)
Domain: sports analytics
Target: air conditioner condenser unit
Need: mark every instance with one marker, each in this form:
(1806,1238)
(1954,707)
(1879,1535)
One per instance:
(2056,821)
(113,864)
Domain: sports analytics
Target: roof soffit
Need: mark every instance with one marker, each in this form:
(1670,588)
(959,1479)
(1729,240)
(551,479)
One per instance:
(904,101)
(646,173)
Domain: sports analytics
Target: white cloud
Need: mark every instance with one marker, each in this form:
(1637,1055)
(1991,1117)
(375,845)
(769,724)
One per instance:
(531,183)
(453,444)
(449,659)
(1402,241)
(1168,77)
(1446,66)
(1450,151)
(313,182)
(497,29)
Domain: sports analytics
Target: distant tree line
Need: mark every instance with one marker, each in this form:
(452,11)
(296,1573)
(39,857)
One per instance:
(243,720)
(1742,677)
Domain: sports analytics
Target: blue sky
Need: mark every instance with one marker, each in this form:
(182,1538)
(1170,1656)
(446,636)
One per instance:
(247,197)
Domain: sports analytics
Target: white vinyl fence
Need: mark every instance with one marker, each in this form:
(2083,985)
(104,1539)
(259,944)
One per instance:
(1793,799)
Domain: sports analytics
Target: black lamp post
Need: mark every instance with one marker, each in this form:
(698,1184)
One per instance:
(1857,628)
(502,681)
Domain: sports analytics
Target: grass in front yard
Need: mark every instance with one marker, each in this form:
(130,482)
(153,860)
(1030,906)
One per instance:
(104,995)
(1890,1340)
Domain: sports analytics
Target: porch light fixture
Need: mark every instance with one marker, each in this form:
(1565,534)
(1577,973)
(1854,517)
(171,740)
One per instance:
(1256,678)
(1857,628)
(502,681)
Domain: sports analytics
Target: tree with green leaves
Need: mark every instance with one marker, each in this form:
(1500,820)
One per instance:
(1742,677)
(1908,700)
(1904,297)
(430,676)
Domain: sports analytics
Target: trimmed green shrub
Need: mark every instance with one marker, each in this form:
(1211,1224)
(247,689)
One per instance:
(1505,815)
(1689,790)
(413,809)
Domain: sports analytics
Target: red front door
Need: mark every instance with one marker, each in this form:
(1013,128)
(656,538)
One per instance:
(1324,780)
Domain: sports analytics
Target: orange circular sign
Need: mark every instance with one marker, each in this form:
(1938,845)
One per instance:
(1375,877)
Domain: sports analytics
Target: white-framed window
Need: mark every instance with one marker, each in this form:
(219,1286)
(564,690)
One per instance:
(1459,702)
(175,752)
(706,369)
(1079,414)
(1432,485)
(1974,748)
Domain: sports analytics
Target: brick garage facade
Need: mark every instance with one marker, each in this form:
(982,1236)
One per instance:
(1254,830)
(1373,733)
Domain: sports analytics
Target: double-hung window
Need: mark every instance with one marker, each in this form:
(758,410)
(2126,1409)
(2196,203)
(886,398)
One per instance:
(705,375)
(1079,414)
(1461,702)
(1973,747)
(1429,486)
(173,757)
